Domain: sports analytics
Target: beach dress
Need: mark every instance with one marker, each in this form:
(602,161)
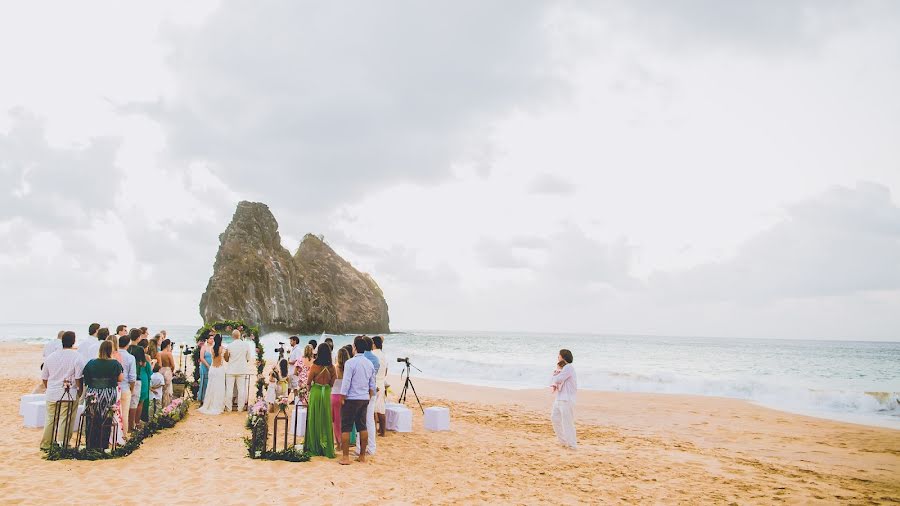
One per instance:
(204,375)
(319,438)
(101,402)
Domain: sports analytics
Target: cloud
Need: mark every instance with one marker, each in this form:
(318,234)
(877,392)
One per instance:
(314,103)
(841,242)
(496,255)
(548,184)
(51,186)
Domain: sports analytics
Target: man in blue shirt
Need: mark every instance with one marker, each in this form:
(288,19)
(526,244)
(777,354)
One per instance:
(357,388)
(129,377)
(370,411)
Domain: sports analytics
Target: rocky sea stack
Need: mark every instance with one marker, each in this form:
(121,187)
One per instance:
(257,280)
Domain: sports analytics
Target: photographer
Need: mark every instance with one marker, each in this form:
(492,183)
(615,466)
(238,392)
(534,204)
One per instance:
(381,393)
(294,362)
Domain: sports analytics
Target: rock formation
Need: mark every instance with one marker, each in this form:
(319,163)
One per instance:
(257,280)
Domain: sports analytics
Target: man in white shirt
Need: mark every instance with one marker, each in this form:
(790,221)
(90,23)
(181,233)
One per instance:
(237,371)
(54,345)
(294,361)
(565,385)
(61,367)
(90,347)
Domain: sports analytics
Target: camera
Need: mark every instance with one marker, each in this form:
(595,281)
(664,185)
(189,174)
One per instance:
(280,348)
(404,360)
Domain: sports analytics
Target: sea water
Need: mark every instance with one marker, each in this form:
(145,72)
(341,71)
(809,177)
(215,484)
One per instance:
(854,381)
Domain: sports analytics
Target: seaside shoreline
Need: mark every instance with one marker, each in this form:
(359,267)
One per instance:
(634,448)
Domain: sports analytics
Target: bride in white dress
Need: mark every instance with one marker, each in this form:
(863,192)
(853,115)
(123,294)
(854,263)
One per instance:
(214,402)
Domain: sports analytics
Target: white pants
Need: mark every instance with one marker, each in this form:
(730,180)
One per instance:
(563,417)
(232,381)
(370,428)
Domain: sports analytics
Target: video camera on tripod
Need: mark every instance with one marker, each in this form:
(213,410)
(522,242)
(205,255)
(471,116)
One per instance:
(408,382)
(280,350)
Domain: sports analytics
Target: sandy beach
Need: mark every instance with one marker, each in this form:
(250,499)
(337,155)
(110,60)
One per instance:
(634,448)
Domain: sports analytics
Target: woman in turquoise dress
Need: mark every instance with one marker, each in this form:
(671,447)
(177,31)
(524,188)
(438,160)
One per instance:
(205,361)
(319,438)
(145,372)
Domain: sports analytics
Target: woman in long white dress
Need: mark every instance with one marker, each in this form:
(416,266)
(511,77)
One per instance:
(214,402)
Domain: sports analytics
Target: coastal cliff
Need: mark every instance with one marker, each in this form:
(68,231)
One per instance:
(257,280)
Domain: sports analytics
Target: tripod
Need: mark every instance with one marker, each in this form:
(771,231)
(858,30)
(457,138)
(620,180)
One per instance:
(409,384)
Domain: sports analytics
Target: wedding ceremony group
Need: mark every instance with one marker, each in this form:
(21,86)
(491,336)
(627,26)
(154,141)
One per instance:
(117,382)
(343,390)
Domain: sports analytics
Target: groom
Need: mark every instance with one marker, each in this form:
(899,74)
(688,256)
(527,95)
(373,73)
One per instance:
(237,369)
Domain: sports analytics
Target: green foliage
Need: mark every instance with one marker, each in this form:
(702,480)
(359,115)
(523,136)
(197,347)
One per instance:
(150,428)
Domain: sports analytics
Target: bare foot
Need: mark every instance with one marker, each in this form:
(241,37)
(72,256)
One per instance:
(344,461)
(362,458)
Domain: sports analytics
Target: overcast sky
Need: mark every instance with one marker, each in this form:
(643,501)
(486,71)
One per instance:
(701,167)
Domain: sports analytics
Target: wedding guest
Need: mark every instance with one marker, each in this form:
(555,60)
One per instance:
(153,349)
(319,439)
(330,343)
(89,347)
(121,330)
(205,364)
(343,355)
(294,362)
(157,386)
(214,401)
(314,344)
(127,383)
(357,387)
(167,369)
(142,380)
(565,385)
(61,367)
(370,410)
(302,373)
(54,345)
(238,371)
(145,372)
(102,376)
(278,384)
(380,386)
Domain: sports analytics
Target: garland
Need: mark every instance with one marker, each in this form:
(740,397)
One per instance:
(258,424)
(218,326)
(170,415)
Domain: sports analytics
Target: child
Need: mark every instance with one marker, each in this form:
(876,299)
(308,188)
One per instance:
(157,383)
(278,384)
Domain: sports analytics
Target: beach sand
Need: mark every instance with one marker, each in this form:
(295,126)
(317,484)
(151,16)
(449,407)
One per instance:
(634,448)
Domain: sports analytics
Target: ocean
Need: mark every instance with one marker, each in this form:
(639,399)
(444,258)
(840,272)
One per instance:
(852,381)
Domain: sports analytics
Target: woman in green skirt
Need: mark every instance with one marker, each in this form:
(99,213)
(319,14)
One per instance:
(319,431)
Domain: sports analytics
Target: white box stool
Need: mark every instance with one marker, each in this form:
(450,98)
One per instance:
(35,413)
(298,414)
(28,398)
(398,418)
(437,418)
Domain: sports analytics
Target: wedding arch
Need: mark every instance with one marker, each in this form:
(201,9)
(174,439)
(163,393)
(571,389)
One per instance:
(219,327)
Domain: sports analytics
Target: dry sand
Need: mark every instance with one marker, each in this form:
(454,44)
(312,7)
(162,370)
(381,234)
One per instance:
(635,448)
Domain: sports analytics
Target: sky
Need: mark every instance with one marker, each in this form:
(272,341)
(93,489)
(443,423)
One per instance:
(691,168)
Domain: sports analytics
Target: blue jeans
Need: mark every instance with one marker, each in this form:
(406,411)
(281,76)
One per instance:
(204,379)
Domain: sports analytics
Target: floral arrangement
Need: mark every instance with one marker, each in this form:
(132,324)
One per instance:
(168,417)
(179,378)
(283,402)
(258,424)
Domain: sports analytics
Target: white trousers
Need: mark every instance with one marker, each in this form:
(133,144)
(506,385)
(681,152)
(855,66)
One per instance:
(563,417)
(370,428)
(232,381)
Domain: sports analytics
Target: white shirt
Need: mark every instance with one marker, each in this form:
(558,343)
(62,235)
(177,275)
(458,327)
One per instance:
(89,349)
(296,355)
(52,346)
(156,380)
(61,365)
(567,384)
(239,358)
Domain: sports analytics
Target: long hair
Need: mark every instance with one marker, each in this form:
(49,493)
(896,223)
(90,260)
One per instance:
(342,358)
(217,345)
(323,356)
(106,349)
(308,351)
(567,356)
(283,366)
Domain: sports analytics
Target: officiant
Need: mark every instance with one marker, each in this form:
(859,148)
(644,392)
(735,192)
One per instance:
(238,370)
